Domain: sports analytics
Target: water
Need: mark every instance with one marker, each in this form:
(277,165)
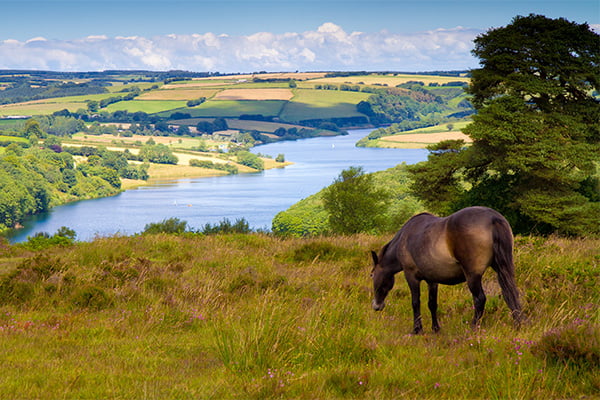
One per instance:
(256,197)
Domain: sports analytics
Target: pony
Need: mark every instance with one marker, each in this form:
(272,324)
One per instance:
(448,251)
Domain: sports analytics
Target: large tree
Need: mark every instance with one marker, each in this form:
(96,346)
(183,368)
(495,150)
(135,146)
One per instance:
(536,136)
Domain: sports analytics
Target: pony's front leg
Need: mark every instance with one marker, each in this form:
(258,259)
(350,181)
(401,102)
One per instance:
(433,294)
(415,292)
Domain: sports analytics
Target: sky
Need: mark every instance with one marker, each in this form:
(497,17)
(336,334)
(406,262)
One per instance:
(264,35)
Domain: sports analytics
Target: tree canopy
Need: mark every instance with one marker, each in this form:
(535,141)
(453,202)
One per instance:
(536,136)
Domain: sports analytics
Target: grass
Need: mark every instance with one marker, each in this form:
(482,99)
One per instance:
(235,108)
(312,104)
(14,139)
(255,317)
(39,108)
(147,106)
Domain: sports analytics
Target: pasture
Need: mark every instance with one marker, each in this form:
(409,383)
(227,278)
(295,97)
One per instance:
(260,317)
(177,94)
(311,104)
(147,106)
(235,108)
(39,108)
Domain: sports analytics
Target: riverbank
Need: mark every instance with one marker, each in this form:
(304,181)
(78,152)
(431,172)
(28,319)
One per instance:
(256,197)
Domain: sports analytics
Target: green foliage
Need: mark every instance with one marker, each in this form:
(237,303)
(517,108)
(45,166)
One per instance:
(354,204)
(536,137)
(157,153)
(169,225)
(42,240)
(230,168)
(250,160)
(305,218)
(308,217)
(225,226)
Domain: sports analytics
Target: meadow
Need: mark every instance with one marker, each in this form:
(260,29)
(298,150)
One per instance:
(311,104)
(255,316)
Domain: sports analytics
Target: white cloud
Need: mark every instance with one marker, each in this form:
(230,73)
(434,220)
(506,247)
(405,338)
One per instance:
(328,47)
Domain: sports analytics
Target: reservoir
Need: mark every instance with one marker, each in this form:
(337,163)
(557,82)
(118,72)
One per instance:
(256,197)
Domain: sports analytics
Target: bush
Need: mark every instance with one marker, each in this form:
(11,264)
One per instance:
(91,297)
(225,226)
(250,160)
(42,240)
(170,225)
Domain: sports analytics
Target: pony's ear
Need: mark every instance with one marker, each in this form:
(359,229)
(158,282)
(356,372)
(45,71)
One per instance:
(375,258)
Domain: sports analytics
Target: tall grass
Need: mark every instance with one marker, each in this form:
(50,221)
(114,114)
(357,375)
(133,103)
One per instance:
(254,316)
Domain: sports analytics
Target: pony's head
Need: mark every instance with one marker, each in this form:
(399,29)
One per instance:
(383,281)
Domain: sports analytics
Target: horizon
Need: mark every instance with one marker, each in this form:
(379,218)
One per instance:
(231,36)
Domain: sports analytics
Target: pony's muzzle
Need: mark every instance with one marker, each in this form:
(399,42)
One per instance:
(378,306)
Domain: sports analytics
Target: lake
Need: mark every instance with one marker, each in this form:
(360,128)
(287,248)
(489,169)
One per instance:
(256,197)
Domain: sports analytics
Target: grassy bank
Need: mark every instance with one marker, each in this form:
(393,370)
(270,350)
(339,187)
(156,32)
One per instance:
(253,316)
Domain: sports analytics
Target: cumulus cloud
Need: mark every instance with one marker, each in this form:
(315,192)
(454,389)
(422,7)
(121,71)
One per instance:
(329,47)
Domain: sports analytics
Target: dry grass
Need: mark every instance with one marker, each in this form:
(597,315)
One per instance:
(423,139)
(255,94)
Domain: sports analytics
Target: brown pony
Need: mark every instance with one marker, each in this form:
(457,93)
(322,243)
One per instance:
(449,251)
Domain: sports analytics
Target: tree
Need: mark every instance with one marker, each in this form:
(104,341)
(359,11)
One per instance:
(354,204)
(250,160)
(34,129)
(536,137)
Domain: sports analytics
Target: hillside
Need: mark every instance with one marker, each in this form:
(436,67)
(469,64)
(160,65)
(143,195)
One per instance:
(317,102)
(255,317)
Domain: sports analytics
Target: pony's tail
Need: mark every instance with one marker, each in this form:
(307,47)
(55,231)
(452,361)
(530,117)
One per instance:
(504,266)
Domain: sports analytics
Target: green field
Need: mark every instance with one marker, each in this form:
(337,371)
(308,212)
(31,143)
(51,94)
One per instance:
(312,104)
(39,108)
(13,139)
(235,108)
(147,106)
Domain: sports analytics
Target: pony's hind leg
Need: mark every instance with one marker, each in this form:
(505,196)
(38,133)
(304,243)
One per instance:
(433,304)
(474,283)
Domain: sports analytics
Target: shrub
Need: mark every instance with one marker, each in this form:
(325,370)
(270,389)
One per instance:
(226,226)
(91,297)
(170,225)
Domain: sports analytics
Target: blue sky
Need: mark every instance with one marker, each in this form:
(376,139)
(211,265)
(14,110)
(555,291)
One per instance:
(274,35)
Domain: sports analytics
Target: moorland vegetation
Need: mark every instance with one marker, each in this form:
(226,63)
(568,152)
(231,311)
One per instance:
(223,312)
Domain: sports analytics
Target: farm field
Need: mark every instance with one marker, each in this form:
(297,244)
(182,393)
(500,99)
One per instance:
(311,104)
(177,94)
(39,108)
(147,106)
(390,80)
(260,317)
(285,98)
(235,108)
